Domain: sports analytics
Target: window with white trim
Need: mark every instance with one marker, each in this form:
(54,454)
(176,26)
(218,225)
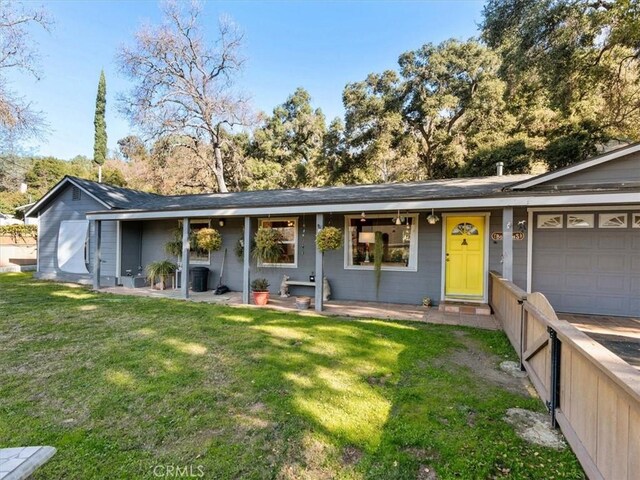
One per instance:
(550,221)
(580,220)
(197,256)
(612,220)
(400,241)
(288,227)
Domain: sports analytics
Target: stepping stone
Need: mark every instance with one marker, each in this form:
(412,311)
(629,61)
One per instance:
(19,463)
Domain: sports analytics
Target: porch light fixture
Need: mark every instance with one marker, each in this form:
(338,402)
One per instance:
(433,218)
(363,217)
(221,222)
(398,220)
(522,226)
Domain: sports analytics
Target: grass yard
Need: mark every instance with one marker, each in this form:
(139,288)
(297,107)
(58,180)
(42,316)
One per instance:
(121,385)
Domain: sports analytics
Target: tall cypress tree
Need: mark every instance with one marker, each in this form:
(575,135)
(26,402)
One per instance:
(100,124)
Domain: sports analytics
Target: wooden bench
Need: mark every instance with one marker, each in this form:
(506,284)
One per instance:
(300,283)
(286,283)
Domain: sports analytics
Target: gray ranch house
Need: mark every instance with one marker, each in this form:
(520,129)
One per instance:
(572,234)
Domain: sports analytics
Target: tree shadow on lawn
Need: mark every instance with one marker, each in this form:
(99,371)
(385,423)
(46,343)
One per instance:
(249,393)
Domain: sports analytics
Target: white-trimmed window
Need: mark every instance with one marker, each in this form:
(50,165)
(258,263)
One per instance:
(580,220)
(612,220)
(288,227)
(196,255)
(400,242)
(550,221)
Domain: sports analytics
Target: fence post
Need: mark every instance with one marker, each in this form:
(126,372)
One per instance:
(521,352)
(554,390)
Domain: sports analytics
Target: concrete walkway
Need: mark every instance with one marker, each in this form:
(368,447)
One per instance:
(336,308)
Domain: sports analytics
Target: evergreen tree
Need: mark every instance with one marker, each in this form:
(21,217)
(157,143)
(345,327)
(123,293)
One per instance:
(100,124)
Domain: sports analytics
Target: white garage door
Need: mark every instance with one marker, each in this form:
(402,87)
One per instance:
(588,262)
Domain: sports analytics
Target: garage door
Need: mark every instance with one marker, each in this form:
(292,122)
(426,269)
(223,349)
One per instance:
(588,262)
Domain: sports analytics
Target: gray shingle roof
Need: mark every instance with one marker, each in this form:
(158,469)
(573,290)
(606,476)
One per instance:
(434,189)
(115,197)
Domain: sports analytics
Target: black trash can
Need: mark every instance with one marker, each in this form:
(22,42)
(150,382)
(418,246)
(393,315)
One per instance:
(200,275)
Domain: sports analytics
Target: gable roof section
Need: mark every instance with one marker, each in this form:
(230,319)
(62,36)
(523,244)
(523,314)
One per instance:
(109,196)
(576,167)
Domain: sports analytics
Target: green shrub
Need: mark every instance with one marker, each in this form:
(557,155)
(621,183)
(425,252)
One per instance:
(19,231)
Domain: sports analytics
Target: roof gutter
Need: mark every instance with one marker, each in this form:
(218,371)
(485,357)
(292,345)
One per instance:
(456,203)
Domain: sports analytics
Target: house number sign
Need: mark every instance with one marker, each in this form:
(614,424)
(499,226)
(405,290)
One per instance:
(497,236)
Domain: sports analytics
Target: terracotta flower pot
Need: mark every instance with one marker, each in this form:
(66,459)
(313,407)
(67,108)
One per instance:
(260,298)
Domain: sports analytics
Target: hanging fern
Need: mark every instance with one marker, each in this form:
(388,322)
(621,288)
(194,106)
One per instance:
(268,245)
(174,246)
(378,252)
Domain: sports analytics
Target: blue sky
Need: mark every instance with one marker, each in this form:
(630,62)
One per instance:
(320,46)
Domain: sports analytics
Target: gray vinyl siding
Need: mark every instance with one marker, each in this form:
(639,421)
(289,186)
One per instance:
(588,270)
(622,171)
(63,207)
(397,287)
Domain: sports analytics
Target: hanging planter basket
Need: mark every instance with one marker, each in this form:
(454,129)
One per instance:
(268,245)
(208,239)
(329,238)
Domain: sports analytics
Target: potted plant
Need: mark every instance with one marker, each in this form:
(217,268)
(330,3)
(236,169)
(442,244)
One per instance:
(260,291)
(208,239)
(162,270)
(329,238)
(268,245)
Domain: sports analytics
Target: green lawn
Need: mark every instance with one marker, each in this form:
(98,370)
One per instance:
(120,385)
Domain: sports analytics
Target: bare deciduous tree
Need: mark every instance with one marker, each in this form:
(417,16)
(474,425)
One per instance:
(17,54)
(184,85)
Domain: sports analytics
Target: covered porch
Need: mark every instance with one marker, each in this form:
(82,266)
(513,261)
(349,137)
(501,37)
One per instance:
(419,254)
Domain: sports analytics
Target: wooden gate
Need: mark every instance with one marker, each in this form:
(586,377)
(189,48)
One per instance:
(592,394)
(536,343)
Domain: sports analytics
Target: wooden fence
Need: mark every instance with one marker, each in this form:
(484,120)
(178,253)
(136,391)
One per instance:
(592,394)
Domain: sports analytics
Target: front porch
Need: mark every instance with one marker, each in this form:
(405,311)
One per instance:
(419,259)
(334,308)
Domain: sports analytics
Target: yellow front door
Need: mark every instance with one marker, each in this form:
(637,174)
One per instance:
(464,257)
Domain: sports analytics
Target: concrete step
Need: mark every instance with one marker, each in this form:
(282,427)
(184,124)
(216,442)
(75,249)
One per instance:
(465,308)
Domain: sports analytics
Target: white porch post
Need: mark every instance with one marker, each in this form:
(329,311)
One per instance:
(185,258)
(319,294)
(507,243)
(97,255)
(246,261)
